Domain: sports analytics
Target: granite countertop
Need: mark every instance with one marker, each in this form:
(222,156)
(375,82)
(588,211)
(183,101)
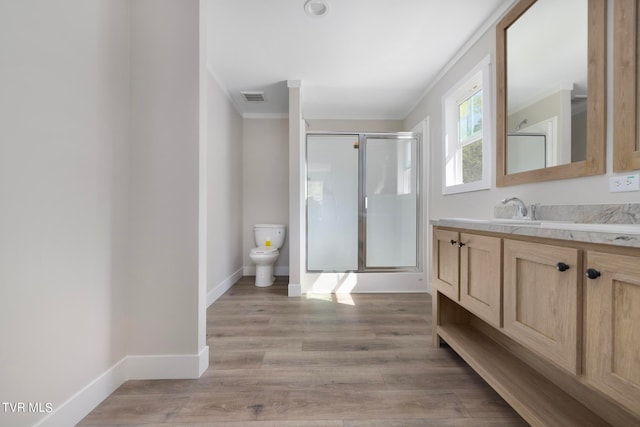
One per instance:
(611,224)
(598,233)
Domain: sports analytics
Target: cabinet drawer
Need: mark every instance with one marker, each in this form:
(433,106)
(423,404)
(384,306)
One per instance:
(542,304)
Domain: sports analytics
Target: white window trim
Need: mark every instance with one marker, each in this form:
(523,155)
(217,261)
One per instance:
(450,122)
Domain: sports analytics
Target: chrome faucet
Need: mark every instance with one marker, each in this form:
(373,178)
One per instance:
(522,208)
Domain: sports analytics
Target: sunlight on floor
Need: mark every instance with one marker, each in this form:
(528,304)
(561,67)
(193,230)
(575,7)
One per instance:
(327,283)
(319,296)
(345,299)
(339,284)
(340,298)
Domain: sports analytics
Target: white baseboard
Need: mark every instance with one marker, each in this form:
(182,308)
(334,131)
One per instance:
(203,361)
(295,290)
(167,367)
(78,406)
(75,408)
(338,283)
(224,286)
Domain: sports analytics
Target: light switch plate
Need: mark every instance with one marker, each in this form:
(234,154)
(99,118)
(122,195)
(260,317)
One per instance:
(618,184)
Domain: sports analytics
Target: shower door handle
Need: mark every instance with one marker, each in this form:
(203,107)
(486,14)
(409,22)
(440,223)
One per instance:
(366,202)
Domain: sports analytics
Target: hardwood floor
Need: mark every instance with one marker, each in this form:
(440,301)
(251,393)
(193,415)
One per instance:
(321,361)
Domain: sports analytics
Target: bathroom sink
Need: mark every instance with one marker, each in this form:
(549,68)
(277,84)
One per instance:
(514,221)
(497,221)
(601,228)
(474,220)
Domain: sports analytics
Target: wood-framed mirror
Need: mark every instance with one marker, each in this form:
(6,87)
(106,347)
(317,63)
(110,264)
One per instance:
(626,90)
(533,145)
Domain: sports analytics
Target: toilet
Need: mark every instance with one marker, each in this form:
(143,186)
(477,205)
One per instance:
(269,238)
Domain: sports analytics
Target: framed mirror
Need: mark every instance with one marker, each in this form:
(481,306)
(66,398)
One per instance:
(626,90)
(551,91)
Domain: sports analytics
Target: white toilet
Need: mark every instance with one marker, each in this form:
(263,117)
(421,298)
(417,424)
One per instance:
(269,238)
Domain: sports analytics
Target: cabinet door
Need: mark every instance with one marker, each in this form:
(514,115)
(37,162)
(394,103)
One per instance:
(445,262)
(541,303)
(612,327)
(480,276)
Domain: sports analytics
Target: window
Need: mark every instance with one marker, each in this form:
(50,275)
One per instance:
(467,142)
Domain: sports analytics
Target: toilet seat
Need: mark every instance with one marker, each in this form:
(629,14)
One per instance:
(262,250)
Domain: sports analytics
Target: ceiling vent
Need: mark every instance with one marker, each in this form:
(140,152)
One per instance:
(253,96)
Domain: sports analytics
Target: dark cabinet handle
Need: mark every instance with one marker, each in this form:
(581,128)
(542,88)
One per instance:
(592,273)
(453,242)
(460,244)
(561,266)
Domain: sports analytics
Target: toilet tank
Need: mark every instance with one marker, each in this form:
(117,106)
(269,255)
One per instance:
(275,233)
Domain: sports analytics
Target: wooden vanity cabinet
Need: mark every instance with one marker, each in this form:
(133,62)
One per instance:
(542,300)
(467,269)
(552,325)
(612,326)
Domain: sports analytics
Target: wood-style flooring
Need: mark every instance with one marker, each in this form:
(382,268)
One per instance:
(319,360)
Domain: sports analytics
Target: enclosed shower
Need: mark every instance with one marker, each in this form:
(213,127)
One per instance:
(362,202)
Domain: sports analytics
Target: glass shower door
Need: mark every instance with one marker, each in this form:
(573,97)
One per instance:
(391,201)
(332,202)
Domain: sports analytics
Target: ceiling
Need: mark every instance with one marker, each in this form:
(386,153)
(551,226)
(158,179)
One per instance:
(365,59)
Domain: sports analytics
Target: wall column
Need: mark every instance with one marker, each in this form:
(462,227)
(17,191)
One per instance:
(296,193)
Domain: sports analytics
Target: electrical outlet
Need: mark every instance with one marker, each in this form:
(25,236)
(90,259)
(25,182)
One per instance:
(618,184)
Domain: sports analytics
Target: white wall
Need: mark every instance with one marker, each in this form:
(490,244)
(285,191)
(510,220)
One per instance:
(64,69)
(225,189)
(99,140)
(163,288)
(480,204)
(265,183)
(323,125)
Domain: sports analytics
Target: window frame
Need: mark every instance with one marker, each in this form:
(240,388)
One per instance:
(452,148)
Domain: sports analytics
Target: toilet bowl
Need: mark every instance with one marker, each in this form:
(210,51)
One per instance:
(264,257)
(269,238)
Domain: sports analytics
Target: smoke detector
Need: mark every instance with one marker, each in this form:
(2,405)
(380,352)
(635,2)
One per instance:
(316,8)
